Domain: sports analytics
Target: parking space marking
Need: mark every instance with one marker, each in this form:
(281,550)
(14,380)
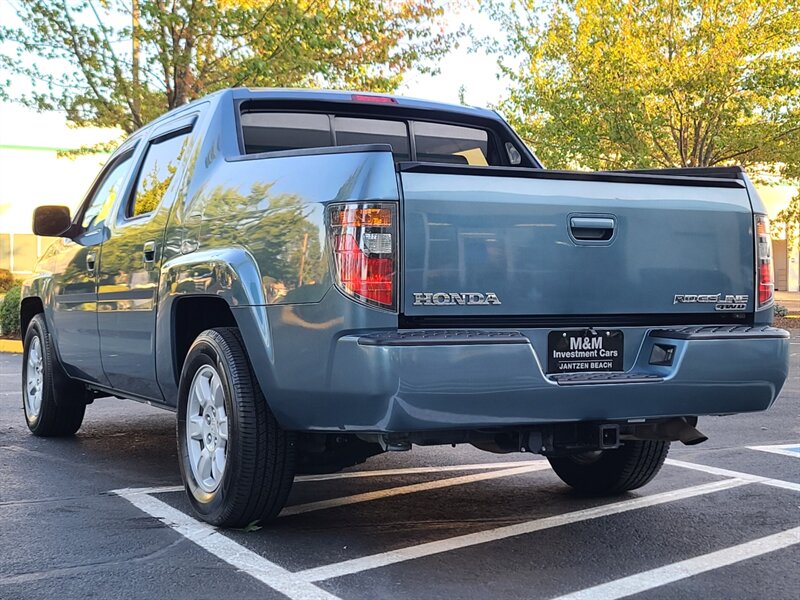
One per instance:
(165,489)
(647,580)
(792,450)
(779,483)
(383,559)
(410,489)
(417,470)
(224,548)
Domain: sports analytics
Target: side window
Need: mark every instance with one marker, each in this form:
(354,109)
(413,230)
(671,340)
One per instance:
(157,172)
(440,143)
(107,193)
(271,132)
(351,132)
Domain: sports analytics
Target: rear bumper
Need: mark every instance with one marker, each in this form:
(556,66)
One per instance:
(417,380)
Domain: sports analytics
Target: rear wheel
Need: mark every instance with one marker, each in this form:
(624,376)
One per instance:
(608,472)
(237,463)
(54,404)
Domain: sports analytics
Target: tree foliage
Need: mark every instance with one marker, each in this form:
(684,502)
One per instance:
(9,312)
(654,83)
(787,221)
(124,62)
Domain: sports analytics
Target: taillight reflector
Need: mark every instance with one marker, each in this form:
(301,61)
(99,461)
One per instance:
(362,240)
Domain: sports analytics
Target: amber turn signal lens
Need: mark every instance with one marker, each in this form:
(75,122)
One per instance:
(361,217)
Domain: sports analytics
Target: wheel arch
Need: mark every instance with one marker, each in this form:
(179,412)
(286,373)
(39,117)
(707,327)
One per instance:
(207,289)
(28,308)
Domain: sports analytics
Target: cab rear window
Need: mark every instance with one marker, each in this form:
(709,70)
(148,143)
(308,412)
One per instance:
(274,131)
(440,143)
(433,142)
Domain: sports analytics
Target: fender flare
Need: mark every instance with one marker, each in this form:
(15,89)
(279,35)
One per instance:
(228,273)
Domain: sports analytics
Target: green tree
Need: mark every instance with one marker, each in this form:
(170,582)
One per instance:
(654,83)
(787,221)
(124,62)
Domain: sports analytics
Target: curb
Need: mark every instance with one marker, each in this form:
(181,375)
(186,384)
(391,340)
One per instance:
(14,346)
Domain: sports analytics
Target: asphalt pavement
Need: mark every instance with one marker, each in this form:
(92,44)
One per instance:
(102,515)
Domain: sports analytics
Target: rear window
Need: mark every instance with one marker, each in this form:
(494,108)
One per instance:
(270,132)
(433,142)
(440,143)
(350,132)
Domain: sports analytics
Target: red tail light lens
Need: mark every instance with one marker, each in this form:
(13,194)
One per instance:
(764,272)
(363,243)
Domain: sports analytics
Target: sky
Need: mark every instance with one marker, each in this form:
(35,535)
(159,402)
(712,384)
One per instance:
(476,71)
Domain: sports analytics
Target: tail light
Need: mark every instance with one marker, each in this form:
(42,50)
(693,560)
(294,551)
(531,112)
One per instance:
(764,273)
(363,242)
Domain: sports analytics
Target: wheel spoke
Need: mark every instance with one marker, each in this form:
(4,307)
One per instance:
(204,391)
(223,427)
(196,427)
(195,397)
(204,465)
(219,463)
(217,393)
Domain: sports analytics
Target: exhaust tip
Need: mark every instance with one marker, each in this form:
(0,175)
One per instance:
(691,436)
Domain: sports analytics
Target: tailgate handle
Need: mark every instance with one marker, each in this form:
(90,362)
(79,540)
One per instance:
(593,229)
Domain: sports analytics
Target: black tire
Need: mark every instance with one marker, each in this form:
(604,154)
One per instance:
(610,472)
(63,400)
(260,456)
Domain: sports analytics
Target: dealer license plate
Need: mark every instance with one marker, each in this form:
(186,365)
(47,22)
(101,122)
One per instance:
(577,350)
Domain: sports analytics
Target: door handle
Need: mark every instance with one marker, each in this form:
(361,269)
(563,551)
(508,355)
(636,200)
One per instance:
(90,261)
(149,251)
(592,229)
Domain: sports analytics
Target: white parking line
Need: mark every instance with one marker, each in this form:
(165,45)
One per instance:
(410,489)
(383,559)
(779,449)
(226,549)
(164,489)
(418,470)
(779,483)
(647,580)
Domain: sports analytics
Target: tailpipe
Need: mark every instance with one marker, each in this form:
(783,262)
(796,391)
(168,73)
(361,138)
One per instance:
(682,429)
(690,436)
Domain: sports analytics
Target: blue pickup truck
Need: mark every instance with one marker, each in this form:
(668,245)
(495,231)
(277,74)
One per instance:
(312,278)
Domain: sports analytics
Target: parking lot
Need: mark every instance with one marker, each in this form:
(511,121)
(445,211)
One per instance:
(102,516)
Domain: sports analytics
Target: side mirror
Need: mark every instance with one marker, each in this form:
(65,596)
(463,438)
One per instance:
(51,221)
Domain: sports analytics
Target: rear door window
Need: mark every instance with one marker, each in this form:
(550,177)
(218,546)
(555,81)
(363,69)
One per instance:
(275,131)
(353,131)
(440,143)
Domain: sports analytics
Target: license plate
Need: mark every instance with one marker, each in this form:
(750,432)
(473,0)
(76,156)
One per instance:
(577,350)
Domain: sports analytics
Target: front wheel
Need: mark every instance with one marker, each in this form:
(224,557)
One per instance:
(236,461)
(54,404)
(608,472)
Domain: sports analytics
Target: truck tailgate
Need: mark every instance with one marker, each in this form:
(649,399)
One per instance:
(488,242)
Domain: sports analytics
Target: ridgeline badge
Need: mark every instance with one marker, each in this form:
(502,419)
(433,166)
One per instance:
(729,302)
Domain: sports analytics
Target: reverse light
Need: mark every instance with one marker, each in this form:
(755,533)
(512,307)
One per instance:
(363,242)
(764,271)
